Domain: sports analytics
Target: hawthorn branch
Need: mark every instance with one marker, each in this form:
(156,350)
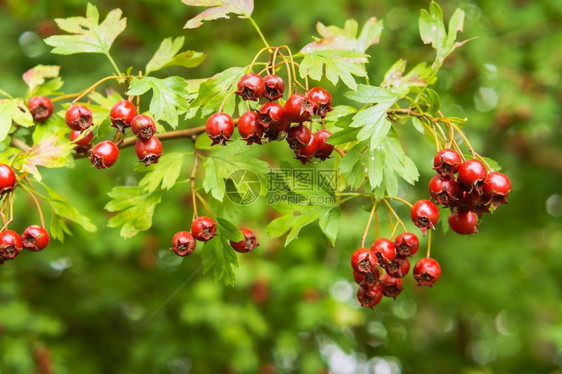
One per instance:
(178,134)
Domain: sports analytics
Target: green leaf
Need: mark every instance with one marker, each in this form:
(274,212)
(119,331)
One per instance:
(213,91)
(63,209)
(374,124)
(294,218)
(352,166)
(167,55)
(334,37)
(90,36)
(164,174)
(371,94)
(345,134)
(13,111)
(335,65)
(219,9)
(135,207)
(35,78)
(433,101)
(420,75)
(52,152)
(219,256)
(228,230)
(396,158)
(169,96)
(375,163)
(329,223)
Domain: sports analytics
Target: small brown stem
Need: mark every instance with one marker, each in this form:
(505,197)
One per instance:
(205,205)
(22,146)
(428,254)
(390,209)
(192,177)
(36,204)
(178,134)
(368,225)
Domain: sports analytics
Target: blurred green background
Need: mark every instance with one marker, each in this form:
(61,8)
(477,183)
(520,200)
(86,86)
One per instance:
(100,304)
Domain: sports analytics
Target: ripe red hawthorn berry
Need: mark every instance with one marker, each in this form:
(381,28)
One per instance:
(247,244)
(10,244)
(7,179)
(220,127)
(183,243)
(391,287)
(475,202)
(472,173)
(446,162)
(306,153)
(249,127)
(121,114)
(271,114)
(203,229)
(298,108)
(104,154)
(398,268)
(274,87)
(321,99)
(41,108)
(148,150)
(78,117)
(277,131)
(143,126)
(427,271)
(424,214)
(369,295)
(250,87)
(406,244)
(35,238)
(298,136)
(363,260)
(370,277)
(324,149)
(497,187)
(83,144)
(384,250)
(444,190)
(463,222)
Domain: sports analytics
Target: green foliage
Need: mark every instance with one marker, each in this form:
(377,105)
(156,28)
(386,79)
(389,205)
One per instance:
(13,111)
(219,9)
(334,65)
(35,78)
(168,54)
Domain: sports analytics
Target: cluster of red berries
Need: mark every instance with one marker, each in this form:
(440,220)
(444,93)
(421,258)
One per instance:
(393,259)
(122,115)
(204,229)
(467,189)
(34,238)
(273,120)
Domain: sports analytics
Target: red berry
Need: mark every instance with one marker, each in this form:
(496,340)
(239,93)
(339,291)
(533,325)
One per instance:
(370,277)
(406,244)
(384,250)
(472,173)
(203,229)
(496,188)
(183,243)
(277,131)
(306,153)
(250,87)
(220,127)
(444,189)
(10,244)
(398,268)
(475,202)
(249,127)
(363,260)
(391,287)
(247,244)
(298,136)
(35,238)
(274,87)
(7,179)
(271,114)
(424,214)
(121,114)
(321,99)
(104,154)
(463,222)
(298,108)
(148,150)
(446,162)
(41,108)
(143,126)
(83,144)
(78,117)
(369,295)
(324,149)
(427,271)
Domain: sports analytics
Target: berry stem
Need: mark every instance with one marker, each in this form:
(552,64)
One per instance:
(390,209)
(6,223)
(226,98)
(293,63)
(36,204)
(81,94)
(205,205)
(178,134)
(394,229)
(5,94)
(259,32)
(368,225)
(428,254)
(399,199)
(113,63)
(192,177)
